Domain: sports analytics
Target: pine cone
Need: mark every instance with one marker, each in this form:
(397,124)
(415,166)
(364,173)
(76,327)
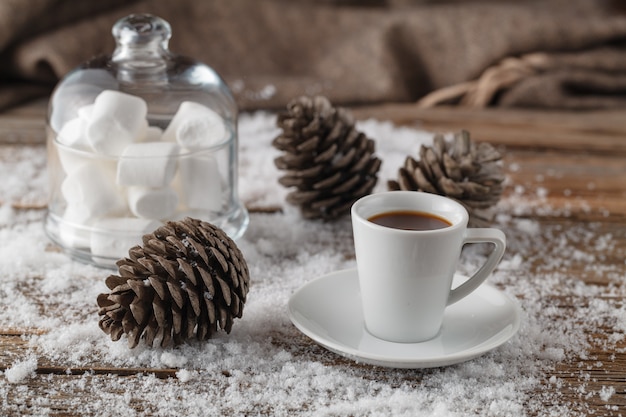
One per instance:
(326,159)
(189,279)
(461,170)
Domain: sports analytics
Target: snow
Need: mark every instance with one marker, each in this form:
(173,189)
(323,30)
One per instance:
(265,366)
(20,371)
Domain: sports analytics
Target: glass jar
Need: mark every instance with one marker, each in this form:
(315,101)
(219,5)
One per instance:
(138,138)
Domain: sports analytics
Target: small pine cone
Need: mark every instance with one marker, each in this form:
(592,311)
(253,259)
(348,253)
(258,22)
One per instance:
(188,280)
(330,163)
(469,173)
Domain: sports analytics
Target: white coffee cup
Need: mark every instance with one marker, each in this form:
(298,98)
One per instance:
(405,276)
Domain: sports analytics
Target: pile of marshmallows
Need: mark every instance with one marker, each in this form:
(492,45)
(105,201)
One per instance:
(122,176)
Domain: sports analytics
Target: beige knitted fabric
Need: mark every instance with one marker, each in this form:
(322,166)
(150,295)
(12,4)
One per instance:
(353,52)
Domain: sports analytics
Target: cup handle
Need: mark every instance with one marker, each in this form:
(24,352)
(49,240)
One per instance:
(479,235)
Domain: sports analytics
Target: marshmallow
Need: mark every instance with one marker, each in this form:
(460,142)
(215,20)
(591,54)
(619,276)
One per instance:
(74,134)
(152,134)
(152,203)
(78,214)
(91,188)
(78,89)
(195,126)
(113,237)
(200,183)
(74,230)
(150,164)
(84,112)
(71,159)
(72,144)
(117,120)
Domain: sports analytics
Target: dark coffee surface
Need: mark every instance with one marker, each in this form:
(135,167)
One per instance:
(410,220)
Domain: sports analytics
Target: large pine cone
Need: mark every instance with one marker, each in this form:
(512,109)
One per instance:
(469,173)
(188,280)
(326,159)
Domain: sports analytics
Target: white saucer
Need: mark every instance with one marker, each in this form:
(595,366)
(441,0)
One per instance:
(328,310)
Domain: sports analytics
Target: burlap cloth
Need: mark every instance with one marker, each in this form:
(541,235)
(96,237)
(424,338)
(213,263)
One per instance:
(550,53)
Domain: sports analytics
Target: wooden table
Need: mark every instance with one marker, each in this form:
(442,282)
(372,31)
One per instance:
(578,160)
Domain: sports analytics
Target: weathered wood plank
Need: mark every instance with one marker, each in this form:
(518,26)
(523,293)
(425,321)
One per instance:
(570,168)
(581,186)
(25,124)
(599,131)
